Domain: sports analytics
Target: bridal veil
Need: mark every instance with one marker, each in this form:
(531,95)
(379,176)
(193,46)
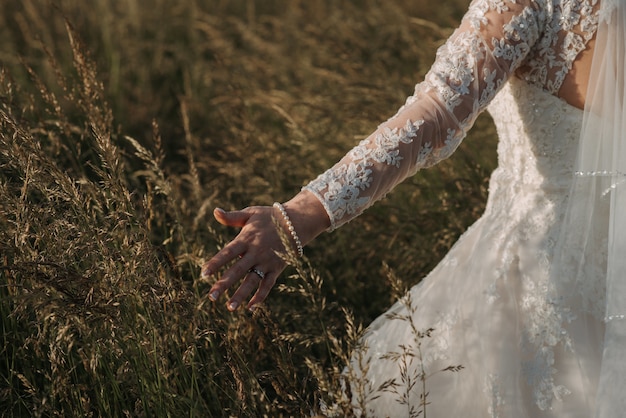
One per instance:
(597,206)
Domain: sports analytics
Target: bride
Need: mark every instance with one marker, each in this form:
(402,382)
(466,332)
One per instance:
(525,316)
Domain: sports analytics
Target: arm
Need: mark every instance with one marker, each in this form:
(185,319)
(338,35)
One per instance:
(492,41)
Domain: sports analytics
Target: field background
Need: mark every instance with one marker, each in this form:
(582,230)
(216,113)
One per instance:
(123,123)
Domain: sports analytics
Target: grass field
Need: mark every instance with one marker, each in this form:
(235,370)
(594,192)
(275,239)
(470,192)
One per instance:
(123,123)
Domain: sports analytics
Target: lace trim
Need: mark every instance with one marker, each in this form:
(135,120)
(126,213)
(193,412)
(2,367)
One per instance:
(603,173)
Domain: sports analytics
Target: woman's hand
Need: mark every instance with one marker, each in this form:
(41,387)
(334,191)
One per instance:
(254,249)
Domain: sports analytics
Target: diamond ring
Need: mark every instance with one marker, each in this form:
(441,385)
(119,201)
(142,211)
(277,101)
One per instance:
(257,272)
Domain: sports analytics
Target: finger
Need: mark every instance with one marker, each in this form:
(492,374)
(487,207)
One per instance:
(233,274)
(265,286)
(236,218)
(251,281)
(227,254)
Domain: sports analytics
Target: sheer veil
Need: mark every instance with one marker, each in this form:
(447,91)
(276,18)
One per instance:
(585,258)
(604,129)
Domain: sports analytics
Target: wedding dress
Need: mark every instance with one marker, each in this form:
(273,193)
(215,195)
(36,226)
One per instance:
(491,331)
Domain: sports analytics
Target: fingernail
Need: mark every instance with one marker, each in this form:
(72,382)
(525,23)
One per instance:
(220,210)
(206,274)
(232,306)
(214,295)
(253,308)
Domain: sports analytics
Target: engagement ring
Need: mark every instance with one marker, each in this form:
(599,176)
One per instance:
(257,272)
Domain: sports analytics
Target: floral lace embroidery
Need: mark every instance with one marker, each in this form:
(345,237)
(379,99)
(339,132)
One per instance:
(539,374)
(544,125)
(538,42)
(492,390)
(344,184)
(567,33)
(468,71)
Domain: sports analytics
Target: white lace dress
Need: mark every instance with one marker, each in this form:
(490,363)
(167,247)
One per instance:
(527,349)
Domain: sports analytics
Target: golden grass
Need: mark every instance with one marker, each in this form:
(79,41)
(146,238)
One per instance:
(122,129)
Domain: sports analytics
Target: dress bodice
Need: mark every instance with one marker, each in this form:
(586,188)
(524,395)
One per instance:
(538,137)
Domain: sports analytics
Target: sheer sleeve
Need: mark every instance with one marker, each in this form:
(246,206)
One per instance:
(492,41)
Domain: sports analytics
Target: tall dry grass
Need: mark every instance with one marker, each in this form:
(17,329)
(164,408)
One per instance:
(123,123)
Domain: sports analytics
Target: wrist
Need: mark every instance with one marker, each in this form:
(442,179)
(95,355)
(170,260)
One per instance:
(307,215)
(291,231)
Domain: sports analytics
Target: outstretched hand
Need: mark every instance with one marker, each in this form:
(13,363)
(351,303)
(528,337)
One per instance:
(254,251)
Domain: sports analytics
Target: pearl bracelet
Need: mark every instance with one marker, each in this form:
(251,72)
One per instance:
(290,227)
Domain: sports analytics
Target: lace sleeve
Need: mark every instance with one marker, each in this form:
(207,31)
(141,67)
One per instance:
(493,39)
